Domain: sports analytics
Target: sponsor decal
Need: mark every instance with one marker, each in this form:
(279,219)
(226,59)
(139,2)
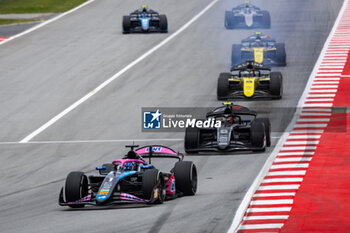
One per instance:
(155,194)
(101,197)
(172,189)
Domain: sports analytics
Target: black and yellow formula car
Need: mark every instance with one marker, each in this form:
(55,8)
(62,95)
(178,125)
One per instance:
(260,48)
(250,80)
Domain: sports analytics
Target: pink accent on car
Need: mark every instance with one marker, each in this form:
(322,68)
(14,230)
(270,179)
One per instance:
(86,198)
(129,197)
(170,185)
(123,161)
(156,149)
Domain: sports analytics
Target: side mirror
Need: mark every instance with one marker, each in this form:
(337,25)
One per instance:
(102,168)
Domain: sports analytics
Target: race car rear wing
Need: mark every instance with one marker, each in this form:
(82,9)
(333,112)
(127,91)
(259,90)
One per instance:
(250,65)
(158,151)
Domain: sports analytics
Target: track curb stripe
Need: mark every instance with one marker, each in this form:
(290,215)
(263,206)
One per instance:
(281,177)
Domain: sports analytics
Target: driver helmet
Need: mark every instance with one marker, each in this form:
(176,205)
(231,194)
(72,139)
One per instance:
(129,166)
(227,121)
(144,8)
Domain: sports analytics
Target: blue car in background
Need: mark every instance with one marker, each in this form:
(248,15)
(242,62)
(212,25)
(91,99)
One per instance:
(145,20)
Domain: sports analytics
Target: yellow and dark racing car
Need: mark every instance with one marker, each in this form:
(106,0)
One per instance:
(260,48)
(250,80)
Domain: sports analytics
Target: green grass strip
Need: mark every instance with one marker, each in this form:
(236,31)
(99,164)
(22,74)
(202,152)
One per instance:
(14,21)
(37,6)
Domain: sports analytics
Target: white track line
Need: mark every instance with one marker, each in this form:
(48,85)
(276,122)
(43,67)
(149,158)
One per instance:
(46,22)
(99,141)
(117,75)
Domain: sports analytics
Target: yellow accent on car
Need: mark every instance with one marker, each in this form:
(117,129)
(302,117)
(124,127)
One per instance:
(259,55)
(249,86)
(227,103)
(234,79)
(155,194)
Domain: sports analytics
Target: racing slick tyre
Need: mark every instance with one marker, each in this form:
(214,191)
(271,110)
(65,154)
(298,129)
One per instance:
(257,134)
(223,86)
(236,57)
(76,188)
(281,54)
(185,173)
(229,20)
(267,125)
(126,24)
(276,84)
(191,140)
(266,19)
(109,168)
(153,186)
(163,23)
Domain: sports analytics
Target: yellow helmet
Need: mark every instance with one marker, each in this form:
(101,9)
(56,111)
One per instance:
(144,6)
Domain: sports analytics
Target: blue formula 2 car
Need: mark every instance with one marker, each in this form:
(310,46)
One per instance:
(145,20)
(131,180)
(247,16)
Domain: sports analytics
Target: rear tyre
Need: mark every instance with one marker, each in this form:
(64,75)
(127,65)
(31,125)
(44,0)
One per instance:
(126,24)
(191,140)
(229,20)
(276,84)
(281,57)
(257,134)
(153,181)
(267,125)
(236,56)
(223,86)
(266,19)
(185,173)
(76,188)
(163,23)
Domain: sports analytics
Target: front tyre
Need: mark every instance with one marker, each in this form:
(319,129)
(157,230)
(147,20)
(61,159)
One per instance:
(163,23)
(153,186)
(229,20)
(76,188)
(126,24)
(276,84)
(266,20)
(223,86)
(192,136)
(267,125)
(257,134)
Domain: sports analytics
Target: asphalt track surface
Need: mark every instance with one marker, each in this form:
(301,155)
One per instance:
(44,72)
